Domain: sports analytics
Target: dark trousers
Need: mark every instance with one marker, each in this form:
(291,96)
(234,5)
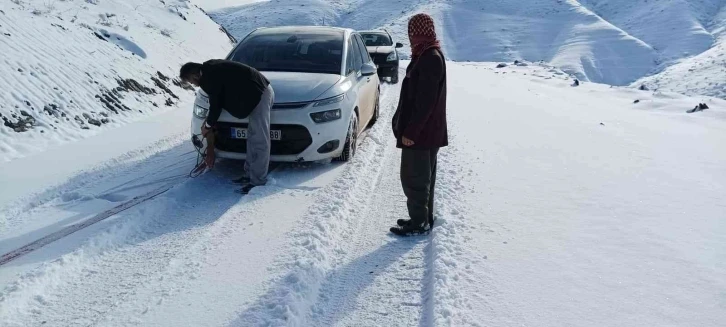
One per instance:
(418,178)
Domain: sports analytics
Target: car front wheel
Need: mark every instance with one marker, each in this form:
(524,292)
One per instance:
(351,140)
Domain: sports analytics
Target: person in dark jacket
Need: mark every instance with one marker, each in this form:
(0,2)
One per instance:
(420,125)
(243,92)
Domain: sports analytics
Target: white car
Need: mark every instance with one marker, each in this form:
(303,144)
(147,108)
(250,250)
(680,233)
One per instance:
(326,93)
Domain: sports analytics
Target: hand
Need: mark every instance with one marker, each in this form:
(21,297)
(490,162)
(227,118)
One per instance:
(205,130)
(406,141)
(209,158)
(210,155)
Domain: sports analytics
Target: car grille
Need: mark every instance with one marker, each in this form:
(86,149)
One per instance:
(295,139)
(290,105)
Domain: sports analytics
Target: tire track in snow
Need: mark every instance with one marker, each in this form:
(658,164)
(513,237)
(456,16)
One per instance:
(322,240)
(43,241)
(137,179)
(14,213)
(449,260)
(152,251)
(149,244)
(383,279)
(418,281)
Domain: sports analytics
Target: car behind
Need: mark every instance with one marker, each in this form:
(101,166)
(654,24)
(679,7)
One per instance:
(383,51)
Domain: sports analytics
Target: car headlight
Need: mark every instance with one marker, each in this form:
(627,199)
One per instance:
(392,57)
(326,116)
(200,112)
(328,101)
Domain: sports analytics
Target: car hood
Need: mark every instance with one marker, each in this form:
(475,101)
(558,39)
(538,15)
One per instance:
(300,87)
(381,49)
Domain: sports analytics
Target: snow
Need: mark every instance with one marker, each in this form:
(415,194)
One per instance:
(673,28)
(50,100)
(557,205)
(61,58)
(68,184)
(211,5)
(614,42)
(577,223)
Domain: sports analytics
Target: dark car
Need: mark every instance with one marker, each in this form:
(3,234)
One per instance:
(383,51)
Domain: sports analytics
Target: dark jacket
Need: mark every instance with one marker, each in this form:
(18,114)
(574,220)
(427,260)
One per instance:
(421,113)
(232,86)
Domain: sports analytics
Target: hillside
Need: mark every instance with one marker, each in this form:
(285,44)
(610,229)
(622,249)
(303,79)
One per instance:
(613,42)
(687,34)
(699,74)
(74,68)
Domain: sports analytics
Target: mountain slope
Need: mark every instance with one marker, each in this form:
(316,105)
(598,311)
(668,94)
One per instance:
(73,68)
(559,32)
(609,41)
(676,29)
(700,74)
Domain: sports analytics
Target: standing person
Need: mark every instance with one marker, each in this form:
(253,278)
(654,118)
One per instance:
(420,125)
(244,93)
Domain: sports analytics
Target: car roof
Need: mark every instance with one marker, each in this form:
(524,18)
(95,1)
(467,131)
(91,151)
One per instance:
(375,32)
(302,28)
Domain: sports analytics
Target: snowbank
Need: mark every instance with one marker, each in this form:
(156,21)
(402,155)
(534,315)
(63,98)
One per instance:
(580,207)
(74,68)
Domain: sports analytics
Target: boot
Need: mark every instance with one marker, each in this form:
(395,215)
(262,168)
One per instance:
(404,222)
(242,180)
(411,230)
(245,189)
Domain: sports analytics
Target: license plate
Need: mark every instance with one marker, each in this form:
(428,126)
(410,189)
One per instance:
(241,133)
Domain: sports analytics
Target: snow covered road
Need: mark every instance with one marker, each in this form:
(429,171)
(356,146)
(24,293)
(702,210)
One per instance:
(125,268)
(557,206)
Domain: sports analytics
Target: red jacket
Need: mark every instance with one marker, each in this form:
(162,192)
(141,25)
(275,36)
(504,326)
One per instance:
(421,113)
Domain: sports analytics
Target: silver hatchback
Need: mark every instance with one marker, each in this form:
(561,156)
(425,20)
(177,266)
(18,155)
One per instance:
(326,93)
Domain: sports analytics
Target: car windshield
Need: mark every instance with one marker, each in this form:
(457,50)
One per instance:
(306,52)
(376,40)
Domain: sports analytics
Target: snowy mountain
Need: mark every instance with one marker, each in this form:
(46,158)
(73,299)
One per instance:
(613,42)
(699,74)
(687,34)
(74,68)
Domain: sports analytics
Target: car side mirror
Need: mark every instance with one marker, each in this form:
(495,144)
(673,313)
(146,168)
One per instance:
(399,45)
(368,69)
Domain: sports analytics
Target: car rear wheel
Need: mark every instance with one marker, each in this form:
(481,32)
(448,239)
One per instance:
(394,79)
(351,141)
(377,110)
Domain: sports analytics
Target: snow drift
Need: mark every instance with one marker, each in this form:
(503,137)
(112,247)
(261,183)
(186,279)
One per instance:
(73,68)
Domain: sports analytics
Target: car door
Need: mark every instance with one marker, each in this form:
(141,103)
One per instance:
(354,75)
(361,83)
(369,84)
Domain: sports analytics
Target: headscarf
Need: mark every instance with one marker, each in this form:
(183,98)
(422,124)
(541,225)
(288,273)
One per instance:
(422,34)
